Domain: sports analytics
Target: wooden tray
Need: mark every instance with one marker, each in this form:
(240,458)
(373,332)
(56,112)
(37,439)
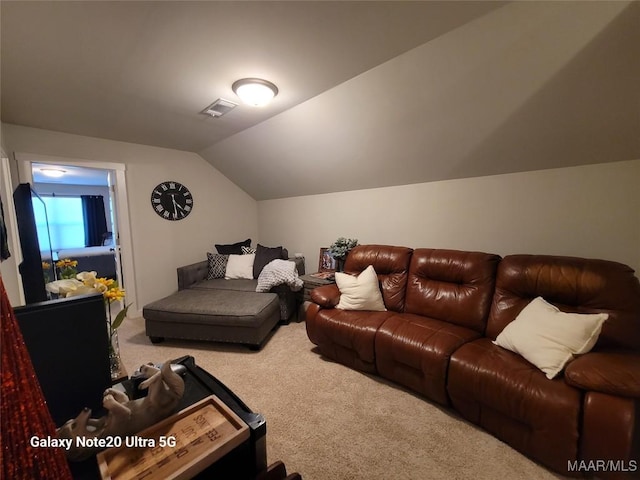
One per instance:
(178,447)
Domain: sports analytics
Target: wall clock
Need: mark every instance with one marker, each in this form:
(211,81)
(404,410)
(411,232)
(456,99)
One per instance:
(172,200)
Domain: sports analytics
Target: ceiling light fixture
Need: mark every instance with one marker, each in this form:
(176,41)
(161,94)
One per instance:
(254,91)
(53,172)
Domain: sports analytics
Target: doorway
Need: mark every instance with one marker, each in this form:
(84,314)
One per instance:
(113,179)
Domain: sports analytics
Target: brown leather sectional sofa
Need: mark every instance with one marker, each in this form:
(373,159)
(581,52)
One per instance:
(444,308)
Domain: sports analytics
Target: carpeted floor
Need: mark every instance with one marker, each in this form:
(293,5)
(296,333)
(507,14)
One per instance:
(327,421)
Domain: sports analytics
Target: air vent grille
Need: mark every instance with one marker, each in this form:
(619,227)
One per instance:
(219,108)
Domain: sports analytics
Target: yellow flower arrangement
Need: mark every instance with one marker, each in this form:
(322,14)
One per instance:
(89,282)
(67,268)
(86,283)
(111,292)
(46,266)
(66,263)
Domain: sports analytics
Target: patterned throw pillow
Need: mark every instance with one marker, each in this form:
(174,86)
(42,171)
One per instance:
(248,250)
(217,265)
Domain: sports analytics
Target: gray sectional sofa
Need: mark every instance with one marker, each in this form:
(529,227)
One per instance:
(220,310)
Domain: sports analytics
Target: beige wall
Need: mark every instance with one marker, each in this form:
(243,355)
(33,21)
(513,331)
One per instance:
(222,212)
(589,211)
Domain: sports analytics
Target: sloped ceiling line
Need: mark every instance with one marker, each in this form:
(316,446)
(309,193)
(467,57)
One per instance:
(371,93)
(426,115)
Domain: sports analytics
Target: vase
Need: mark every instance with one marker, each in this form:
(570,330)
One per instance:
(339,264)
(115,363)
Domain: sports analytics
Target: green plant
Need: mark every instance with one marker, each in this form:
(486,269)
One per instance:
(341,247)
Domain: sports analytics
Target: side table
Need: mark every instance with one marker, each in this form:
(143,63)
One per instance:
(310,282)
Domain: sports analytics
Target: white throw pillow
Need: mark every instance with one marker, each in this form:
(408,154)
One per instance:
(549,338)
(361,292)
(240,266)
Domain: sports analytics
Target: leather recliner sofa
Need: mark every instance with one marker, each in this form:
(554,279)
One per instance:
(444,308)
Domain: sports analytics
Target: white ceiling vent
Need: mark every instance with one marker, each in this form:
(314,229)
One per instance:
(219,107)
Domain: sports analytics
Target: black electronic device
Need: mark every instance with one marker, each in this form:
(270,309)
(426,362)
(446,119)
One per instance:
(68,343)
(32,270)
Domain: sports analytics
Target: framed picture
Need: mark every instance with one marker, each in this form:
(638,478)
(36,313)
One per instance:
(326,263)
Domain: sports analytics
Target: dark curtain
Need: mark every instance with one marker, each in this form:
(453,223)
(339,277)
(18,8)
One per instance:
(95,220)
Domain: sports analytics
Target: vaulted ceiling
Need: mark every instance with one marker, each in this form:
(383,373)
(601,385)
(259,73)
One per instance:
(371,93)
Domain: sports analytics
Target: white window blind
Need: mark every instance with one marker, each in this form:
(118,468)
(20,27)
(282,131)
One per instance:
(66,222)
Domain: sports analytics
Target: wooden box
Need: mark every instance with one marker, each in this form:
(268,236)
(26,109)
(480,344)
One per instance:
(178,447)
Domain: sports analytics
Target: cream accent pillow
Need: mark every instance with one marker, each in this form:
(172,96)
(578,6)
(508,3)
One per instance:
(240,266)
(361,292)
(549,338)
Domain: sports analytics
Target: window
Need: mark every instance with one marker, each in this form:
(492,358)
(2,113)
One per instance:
(66,222)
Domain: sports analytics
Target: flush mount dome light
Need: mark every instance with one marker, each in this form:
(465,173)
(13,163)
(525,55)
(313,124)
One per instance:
(53,172)
(254,91)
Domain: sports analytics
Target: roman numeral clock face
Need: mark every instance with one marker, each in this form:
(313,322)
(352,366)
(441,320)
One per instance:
(172,200)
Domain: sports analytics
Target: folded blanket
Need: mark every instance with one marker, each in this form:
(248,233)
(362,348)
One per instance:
(279,272)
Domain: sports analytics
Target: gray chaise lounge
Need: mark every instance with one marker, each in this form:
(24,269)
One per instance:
(219,310)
